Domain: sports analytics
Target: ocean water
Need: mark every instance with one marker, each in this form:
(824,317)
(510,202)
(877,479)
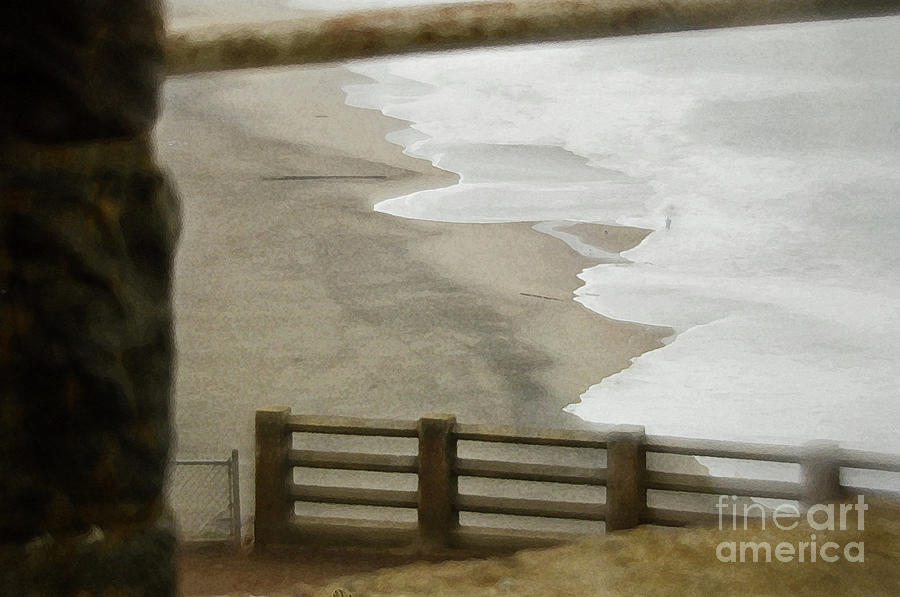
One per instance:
(765,160)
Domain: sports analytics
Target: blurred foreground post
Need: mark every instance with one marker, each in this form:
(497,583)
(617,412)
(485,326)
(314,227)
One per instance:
(88,226)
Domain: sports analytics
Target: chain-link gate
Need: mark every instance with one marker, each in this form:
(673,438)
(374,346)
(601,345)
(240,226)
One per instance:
(205,496)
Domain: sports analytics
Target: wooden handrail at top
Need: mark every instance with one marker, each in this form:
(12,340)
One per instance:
(537,437)
(352,426)
(791,454)
(723,449)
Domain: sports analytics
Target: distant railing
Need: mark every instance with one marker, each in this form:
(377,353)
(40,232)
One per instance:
(387,31)
(205,497)
(438,502)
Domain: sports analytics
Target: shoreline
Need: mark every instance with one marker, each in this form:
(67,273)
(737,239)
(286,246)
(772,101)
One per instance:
(296,292)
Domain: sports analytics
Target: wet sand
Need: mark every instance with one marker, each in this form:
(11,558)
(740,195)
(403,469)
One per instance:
(290,290)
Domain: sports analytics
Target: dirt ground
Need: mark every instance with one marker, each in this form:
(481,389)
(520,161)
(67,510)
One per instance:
(223,570)
(861,561)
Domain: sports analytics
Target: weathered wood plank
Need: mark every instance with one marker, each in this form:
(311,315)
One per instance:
(888,494)
(680,518)
(528,507)
(355,461)
(349,531)
(491,539)
(870,460)
(723,449)
(390,498)
(378,533)
(521,471)
(721,486)
(272,447)
(626,484)
(351,426)
(438,487)
(537,437)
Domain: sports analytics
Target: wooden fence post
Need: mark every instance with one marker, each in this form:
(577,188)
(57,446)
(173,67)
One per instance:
(273,444)
(626,465)
(821,471)
(438,517)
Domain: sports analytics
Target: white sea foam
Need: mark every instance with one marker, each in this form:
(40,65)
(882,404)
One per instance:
(774,155)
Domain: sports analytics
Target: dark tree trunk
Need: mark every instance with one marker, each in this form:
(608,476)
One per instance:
(88,225)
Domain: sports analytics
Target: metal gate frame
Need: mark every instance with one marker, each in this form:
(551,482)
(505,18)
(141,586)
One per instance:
(234,493)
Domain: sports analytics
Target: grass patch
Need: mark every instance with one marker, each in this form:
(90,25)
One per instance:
(660,561)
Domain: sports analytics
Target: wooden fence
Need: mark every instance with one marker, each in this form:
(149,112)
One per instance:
(438,502)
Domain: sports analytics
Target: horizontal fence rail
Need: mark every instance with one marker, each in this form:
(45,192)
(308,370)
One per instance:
(386,498)
(521,471)
(722,449)
(382,463)
(532,437)
(427,28)
(438,501)
(351,426)
(870,461)
(718,486)
(529,507)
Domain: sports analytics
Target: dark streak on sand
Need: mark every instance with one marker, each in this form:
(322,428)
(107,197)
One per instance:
(548,298)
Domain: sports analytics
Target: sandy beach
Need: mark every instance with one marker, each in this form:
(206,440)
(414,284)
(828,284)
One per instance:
(291,290)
